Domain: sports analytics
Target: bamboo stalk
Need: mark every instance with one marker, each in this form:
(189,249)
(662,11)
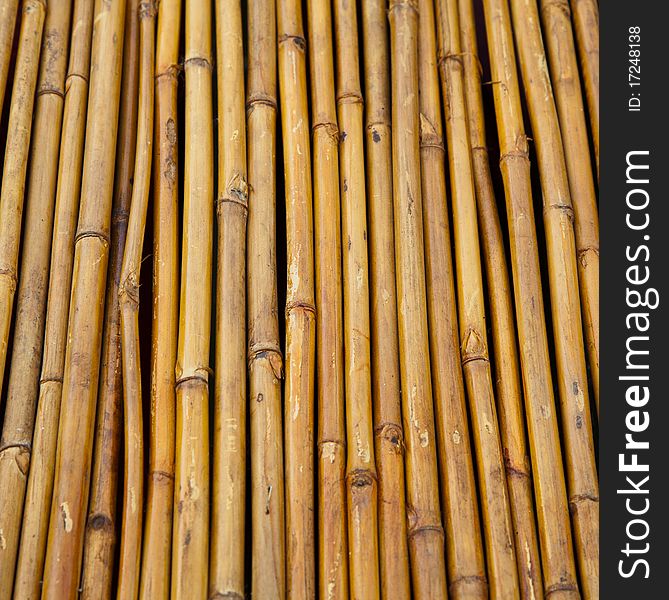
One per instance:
(549,488)
(8,11)
(300,309)
(157,543)
(564,71)
(37,504)
(82,356)
(191,495)
(572,381)
(23,386)
(389,443)
(361,481)
(101,525)
(268,576)
(16,161)
(332,526)
(509,398)
(425,531)
(226,577)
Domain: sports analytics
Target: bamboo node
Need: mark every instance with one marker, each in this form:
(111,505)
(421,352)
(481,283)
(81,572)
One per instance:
(331,129)
(415,531)
(359,478)
(199,376)
(411,5)
(429,136)
(577,500)
(10,276)
(583,254)
(129,290)
(298,40)
(327,449)
(198,61)
(103,237)
(236,192)
(473,347)
(45,90)
(260,99)
(226,596)
(271,352)
(350,98)
(299,305)
(455,57)
(514,471)
(160,477)
(100,522)
(170,72)
(561,5)
(51,379)
(392,433)
(478,582)
(147,9)
(563,586)
(566,209)
(21,455)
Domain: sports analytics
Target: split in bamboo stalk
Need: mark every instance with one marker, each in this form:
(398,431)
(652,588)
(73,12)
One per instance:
(157,543)
(509,398)
(425,531)
(23,387)
(572,381)
(557,560)
(332,532)
(300,309)
(389,443)
(30,563)
(190,547)
(16,162)
(82,357)
(7,25)
(564,71)
(361,467)
(268,576)
(226,575)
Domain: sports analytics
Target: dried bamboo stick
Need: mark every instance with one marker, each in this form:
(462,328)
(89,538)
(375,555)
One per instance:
(191,494)
(23,386)
(509,397)
(37,504)
(564,71)
(226,577)
(300,309)
(268,576)
(8,11)
(82,356)
(572,381)
(425,531)
(389,446)
(332,526)
(157,543)
(549,488)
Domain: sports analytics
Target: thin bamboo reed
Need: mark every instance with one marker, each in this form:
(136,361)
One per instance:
(268,576)
(300,309)
(37,504)
(567,87)
(82,356)
(425,531)
(16,162)
(157,543)
(389,443)
(509,396)
(8,11)
(191,494)
(572,381)
(23,386)
(552,514)
(332,527)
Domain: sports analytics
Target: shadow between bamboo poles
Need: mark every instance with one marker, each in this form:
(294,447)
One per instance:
(268,575)
(82,357)
(389,442)
(23,387)
(558,566)
(30,563)
(425,531)
(332,524)
(190,545)
(569,101)
(509,398)
(581,470)
(226,576)
(586,26)
(157,542)
(466,563)
(300,309)
(16,161)
(8,11)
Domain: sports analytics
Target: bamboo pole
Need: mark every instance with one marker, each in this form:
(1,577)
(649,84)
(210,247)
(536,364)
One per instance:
(332,526)
(389,443)
(23,386)
(268,576)
(8,11)
(300,309)
(572,381)
(37,504)
(16,161)
(549,488)
(564,71)
(425,531)
(226,577)
(361,481)
(157,543)
(509,398)
(190,546)
(82,356)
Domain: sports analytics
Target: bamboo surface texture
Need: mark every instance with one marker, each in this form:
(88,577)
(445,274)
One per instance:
(7,24)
